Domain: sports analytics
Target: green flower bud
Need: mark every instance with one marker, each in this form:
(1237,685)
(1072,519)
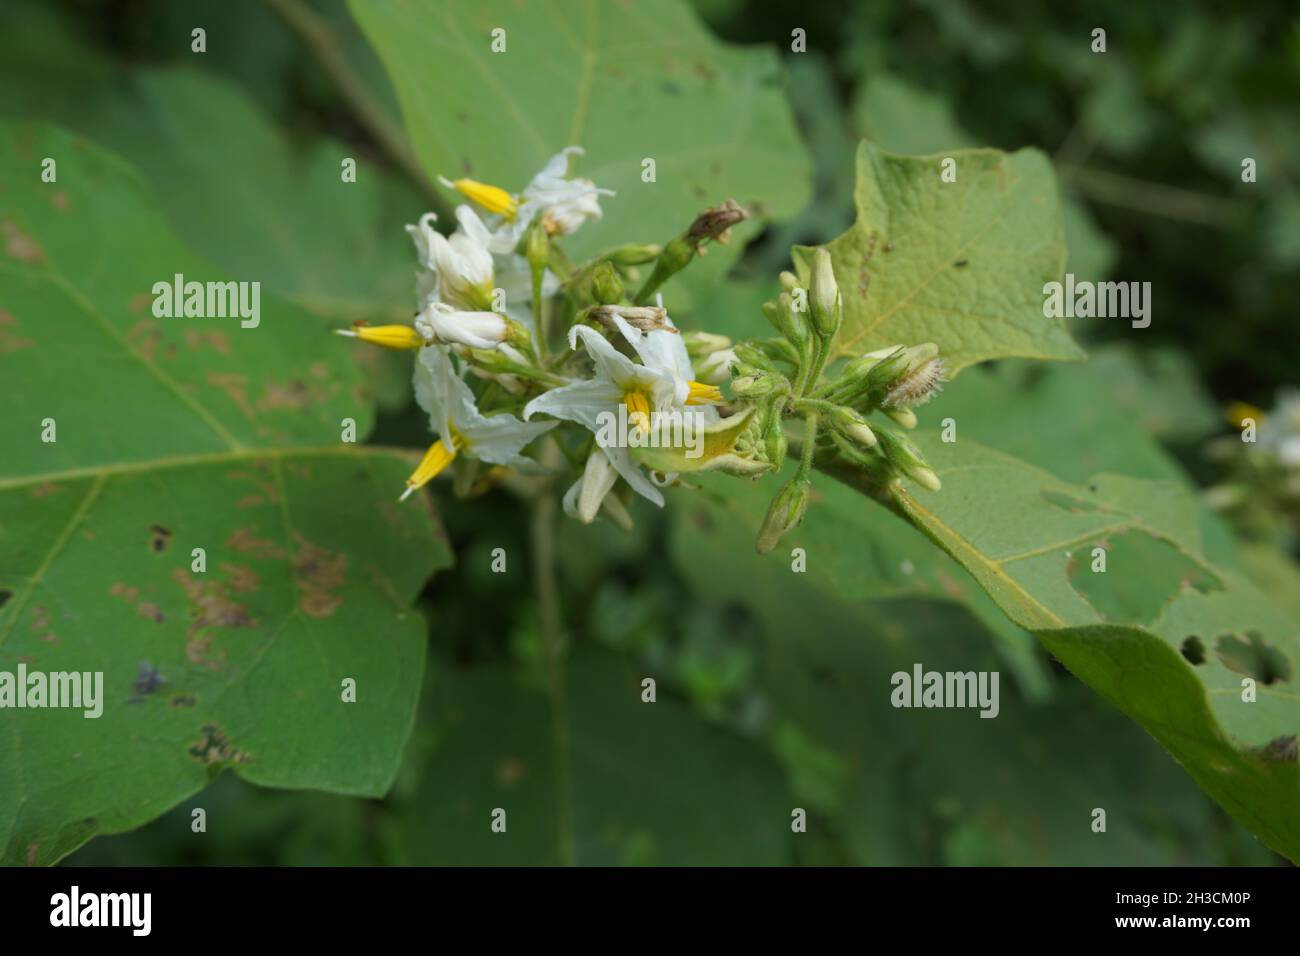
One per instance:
(751,354)
(607,285)
(905,456)
(824,294)
(775,443)
(787,321)
(537,248)
(853,426)
(903,416)
(699,344)
(786,511)
(635,254)
(789,281)
(758,386)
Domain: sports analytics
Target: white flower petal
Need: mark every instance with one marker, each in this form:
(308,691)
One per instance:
(622,461)
(581,402)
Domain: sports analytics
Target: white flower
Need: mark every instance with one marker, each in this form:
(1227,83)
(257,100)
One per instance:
(460,267)
(584,497)
(663,383)
(461,427)
(1280,429)
(478,330)
(562,204)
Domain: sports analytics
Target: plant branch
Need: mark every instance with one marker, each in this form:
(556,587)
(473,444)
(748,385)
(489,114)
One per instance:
(321,41)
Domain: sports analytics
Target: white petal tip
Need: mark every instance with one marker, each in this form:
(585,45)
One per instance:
(406,494)
(446,182)
(348,332)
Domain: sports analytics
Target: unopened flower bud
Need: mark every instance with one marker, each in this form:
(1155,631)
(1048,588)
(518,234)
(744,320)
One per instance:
(536,248)
(919,382)
(607,285)
(785,319)
(715,368)
(905,456)
(752,355)
(758,386)
(789,281)
(775,444)
(786,511)
(699,344)
(904,416)
(635,254)
(853,426)
(824,294)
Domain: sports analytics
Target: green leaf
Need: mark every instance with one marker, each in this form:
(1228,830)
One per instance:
(625,82)
(961,264)
(174,434)
(937,786)
(1162,633)
(625,782)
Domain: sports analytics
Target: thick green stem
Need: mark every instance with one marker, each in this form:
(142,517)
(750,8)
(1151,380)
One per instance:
(321,41)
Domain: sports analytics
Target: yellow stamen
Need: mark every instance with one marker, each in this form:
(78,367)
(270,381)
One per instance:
(438,457)
(389,336)
(638,410)
(1238,412)
(492,198)
(701,394)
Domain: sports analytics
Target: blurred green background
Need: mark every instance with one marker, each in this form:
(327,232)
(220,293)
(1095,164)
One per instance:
(770,686)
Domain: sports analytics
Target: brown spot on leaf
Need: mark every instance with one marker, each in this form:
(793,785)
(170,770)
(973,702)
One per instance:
(139,301)
(60,201)
(236,388)
(182,700)
(214,747)
(212,608)
(144,335)
(19,245)
(32,849)
(241,579)
(150,612)
(246,541)
(45,488)
(317,572)
(9,341)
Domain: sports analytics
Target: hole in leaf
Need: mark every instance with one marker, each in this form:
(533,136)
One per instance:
(1194,650)
(1251,655)
(5,595)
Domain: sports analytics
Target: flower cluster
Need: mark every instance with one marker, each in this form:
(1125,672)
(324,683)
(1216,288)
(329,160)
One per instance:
(497,294)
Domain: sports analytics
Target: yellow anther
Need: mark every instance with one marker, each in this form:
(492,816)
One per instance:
(389,336)
(492,198)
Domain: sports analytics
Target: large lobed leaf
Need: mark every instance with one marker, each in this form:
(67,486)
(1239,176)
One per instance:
(626,81)
(175,434)
(961,264)
(1163,633)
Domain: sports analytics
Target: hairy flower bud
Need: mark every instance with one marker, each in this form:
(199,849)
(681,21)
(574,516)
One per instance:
(905,456)
(853,426)
(699,344)
(607,284)
(635,254)
(786,511)
(758,386)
